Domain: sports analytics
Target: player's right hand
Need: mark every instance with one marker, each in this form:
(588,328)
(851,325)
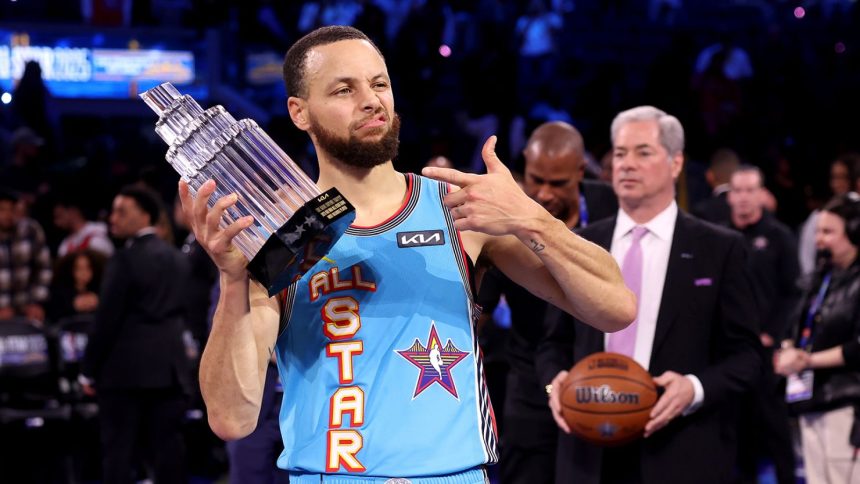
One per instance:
(555,401)
(205,224)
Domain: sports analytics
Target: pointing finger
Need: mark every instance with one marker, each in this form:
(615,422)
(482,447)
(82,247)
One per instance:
(450,175)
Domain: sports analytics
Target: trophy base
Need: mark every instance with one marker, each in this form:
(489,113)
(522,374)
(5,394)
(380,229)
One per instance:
(302,241)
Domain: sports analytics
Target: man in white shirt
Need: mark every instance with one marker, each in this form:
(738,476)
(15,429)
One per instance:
(695,331)
(82,234)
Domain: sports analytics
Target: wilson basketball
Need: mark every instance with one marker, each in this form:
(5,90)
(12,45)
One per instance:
(607,399)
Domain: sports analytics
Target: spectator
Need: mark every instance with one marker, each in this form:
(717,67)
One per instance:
(32,105)
(25,264)
(536,32)
(135,360)
(77,279)
(715,209)
(822,357)
(554,168)
(844,177)
(69,215)
(763,429)
(25,172)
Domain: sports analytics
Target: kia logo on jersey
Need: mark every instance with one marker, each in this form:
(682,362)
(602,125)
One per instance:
(420,239)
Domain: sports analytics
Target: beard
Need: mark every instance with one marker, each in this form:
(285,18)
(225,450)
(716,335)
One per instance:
(354,152)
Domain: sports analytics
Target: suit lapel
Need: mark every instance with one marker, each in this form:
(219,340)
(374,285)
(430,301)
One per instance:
(679,277)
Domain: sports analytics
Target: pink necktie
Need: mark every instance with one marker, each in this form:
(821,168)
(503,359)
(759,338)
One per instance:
(624,341)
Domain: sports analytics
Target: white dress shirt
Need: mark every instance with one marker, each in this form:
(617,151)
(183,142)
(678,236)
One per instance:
(656,246)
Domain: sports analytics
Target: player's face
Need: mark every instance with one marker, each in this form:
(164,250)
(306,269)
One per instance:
(552,179)
(350,104)
(642,169)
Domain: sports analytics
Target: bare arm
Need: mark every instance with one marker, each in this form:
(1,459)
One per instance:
(245,326)
(567,271)
(534,249)
(234,362)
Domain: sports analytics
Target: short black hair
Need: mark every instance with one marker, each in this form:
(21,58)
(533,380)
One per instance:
(146,199)
(294,62)
(69,198)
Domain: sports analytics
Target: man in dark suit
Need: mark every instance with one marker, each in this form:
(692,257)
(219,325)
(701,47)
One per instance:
(554,170)
(695,330)
(135,359)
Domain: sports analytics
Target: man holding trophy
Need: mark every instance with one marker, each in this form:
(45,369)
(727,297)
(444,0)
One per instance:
(364,401)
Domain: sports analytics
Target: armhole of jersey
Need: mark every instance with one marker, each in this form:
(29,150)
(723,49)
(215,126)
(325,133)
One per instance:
(464,262)
(484,409)
(286,298)
(470,268)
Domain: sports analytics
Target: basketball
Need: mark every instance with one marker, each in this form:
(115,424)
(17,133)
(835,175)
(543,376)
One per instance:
(607,399)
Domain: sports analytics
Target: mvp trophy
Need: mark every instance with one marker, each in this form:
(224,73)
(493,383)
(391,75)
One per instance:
(294,224)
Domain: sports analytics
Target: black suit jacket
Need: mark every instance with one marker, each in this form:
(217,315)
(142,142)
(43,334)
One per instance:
(136,341)
(600,199)
(714,209)
(705,327)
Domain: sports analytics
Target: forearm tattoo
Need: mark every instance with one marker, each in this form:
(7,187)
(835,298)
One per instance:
(537,246)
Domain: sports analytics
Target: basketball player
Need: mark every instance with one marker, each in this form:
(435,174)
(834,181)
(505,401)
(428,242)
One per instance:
(352,336)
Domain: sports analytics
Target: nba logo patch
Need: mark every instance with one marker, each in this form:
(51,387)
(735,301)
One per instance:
(434,362)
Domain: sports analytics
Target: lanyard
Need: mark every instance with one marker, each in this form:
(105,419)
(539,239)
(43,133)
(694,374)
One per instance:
(806,334)
(583,211)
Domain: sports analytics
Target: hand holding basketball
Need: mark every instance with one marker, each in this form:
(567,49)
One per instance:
(555,401)
(607,399)
(677,397)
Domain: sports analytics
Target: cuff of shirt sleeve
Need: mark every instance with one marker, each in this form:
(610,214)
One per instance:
(698,395)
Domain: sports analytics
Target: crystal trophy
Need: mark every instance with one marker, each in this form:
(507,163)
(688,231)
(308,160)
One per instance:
(295,224)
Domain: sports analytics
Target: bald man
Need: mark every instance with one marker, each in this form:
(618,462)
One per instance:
(554,169)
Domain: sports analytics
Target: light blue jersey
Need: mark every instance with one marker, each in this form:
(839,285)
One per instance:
(379,358)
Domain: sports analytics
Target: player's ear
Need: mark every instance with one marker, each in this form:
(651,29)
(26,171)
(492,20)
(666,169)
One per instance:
(298,109)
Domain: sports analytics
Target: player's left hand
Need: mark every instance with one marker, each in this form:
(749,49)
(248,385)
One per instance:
(678,395)
(492,203)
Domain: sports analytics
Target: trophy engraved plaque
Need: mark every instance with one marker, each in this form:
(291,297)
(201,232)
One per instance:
(295,224)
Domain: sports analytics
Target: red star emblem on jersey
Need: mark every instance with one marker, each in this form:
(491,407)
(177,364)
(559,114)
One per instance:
(434,361)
